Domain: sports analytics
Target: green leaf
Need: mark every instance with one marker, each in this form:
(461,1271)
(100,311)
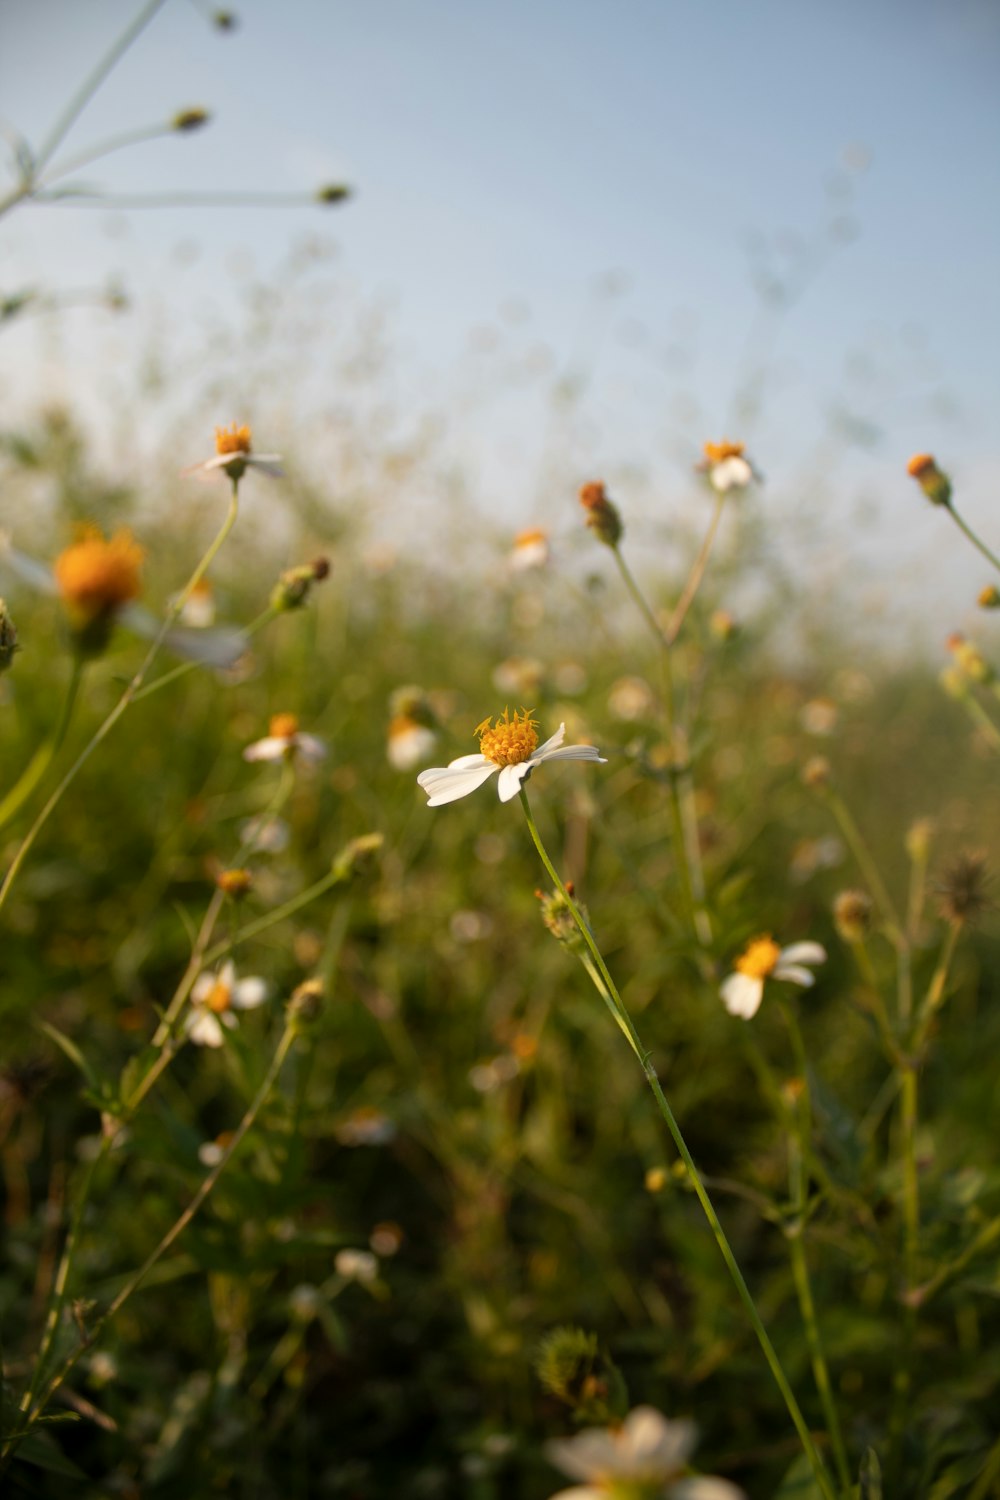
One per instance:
(72,1051)
(39,1449)
(870,1476)
(799,1482)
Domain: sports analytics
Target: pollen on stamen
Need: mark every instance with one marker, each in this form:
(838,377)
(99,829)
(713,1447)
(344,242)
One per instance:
(511,740)
(283,726)
(220,998)
(717,453)
(759,958)
(232,439)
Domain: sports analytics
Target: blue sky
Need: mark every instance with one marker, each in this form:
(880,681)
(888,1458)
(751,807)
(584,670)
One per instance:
(507,157)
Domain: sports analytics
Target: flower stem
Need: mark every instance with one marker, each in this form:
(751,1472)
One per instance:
(185,667)
(823,1479)
(695,576)
(973,538)
(46,753)
(126,698)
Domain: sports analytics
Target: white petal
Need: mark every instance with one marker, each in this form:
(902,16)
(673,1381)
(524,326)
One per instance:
(272,747)
(447,783)
(218,648)
(794,974)
(741,995)
(466,762)
(267,463)
(510,778)
(310,746)
(227,974)
(249,993)
(203,987)
(582,1492)
(552,742)
(26,568)
(590,1454)
(204,1029)
(650,1440)
(705,1487)
(803,953)
(570,752)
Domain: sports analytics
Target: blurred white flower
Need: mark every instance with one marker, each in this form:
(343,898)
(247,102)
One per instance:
(213,1000)
(234,455)
(285,741)
(644,1459)
(198,609)
(356,1265)
(409,742)
(763,959)
(631,698)
(727,467)
(530,550)
(509,746)
(819,716)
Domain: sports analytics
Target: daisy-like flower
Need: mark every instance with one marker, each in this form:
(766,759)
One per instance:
(509,746)
(234,455)
(727,467)
(213,1000)
(409,742)
(763,959)
(530,550)
(644,1459)
(198,609)
(285,741)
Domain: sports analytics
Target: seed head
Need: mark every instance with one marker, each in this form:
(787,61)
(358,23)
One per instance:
(964,889)
(190,119)
(852,915)
(935,484)
(602,516)
(306,1001)
(294,585)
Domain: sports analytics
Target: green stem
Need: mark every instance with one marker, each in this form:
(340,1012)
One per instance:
(981,718)
(46,753)
(278,914)
(126,698)
(192,666)
(100,149)
(973,538)
(935,990)
(625,1021)
(696,575)
(868,867)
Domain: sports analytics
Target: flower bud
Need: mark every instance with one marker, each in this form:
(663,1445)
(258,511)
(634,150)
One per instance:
(935,485)
(918,839)
(969,660)
(294,585)
(357,857)
(817,772)
(234,883)
(190,119)
(989,597)
(8,638)
(332,192)
(722,625)
(852,915)
(602,516)
(559,918)
(306,1001)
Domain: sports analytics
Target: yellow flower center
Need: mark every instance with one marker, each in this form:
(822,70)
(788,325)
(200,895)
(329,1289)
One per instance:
(759,958)
(283,726)
(232,439)
(220,997)
(97,576)
(510,740)
(920,463)
(530,538)
(715,453)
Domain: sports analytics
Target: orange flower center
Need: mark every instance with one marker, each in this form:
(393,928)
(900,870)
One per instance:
(510,740)
(283,726)
(220,997)
(233,439)
(759,958)
(716,453)
(531,538)
(97,576)
(920,463)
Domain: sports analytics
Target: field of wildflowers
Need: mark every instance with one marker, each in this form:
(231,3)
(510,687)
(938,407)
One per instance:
(483,1034)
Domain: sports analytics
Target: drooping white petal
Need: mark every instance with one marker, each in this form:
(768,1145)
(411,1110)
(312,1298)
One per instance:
(570,752)
(249,993)
(794,974)
(552,743)
(310,746)
(35,574)
(582,1492)
(588,1455)
(267,463)
(803,953)
(733,473)
(227,974)
(203,1028)
(219,647)
(741,995)
(447,783)
(271,747)
(510,778)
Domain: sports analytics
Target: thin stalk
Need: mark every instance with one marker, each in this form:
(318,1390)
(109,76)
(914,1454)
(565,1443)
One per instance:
(185,667)
(868,867)
(178,200)
(973,538)
(935,990)
(696,575)
(823,1479)
(47,752)
(277,914)
(107,147)
(981,718)
(126,698)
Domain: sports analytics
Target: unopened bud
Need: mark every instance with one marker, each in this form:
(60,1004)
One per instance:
(559,919)
(190,119)
(655,1180)
(295,584)
(332,192)
(234,883)
(918,839)
(817,772)
(357,857)
(969,660)
(989,597)
(852,915)
(307,1001)
(935,484)
(602,516)
(722,625)
(225,20)
(8,638)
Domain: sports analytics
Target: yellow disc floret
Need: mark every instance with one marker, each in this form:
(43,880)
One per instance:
(531,537)
(283,726)
(511,740)
(759,958)
(233,439)
(219,998)
(97,576)
(717,453)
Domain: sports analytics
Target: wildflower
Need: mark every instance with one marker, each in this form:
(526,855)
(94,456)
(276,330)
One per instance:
(233,454)
(817,772)
(989,597)
(284,741)
(602,516)
(763,959)
(294,585)
(935,485)
(409,742)
(213,1000)
(8,638)
(386,1238)
(530,550)
(969,660)
(356,1265)
(190,119)
(523,675)
(198,609)
(819,716)
(235,882)
(727,467)
(509,746)
(631,698)
(723,626)
(852,915)
(963,892)
(646,1457)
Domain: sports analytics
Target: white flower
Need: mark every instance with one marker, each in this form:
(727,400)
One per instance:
(530,550)
(233,454)
(645,1457)
(727,467)
(409,743)
(285,741)
(763,959)
(198,609)
(509,746)
(213,1000)
(356,1265)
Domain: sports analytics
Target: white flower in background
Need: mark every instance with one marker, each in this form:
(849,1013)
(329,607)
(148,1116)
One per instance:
(763,959)
(509,746)
(631,698)
(530,550)
(213,1000)
(520,675)
(356,1265)
(285,741)
(727,467)
(644,1459)
(819,716)
(409,742)
(198,609)
(234,455)
(266,835)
